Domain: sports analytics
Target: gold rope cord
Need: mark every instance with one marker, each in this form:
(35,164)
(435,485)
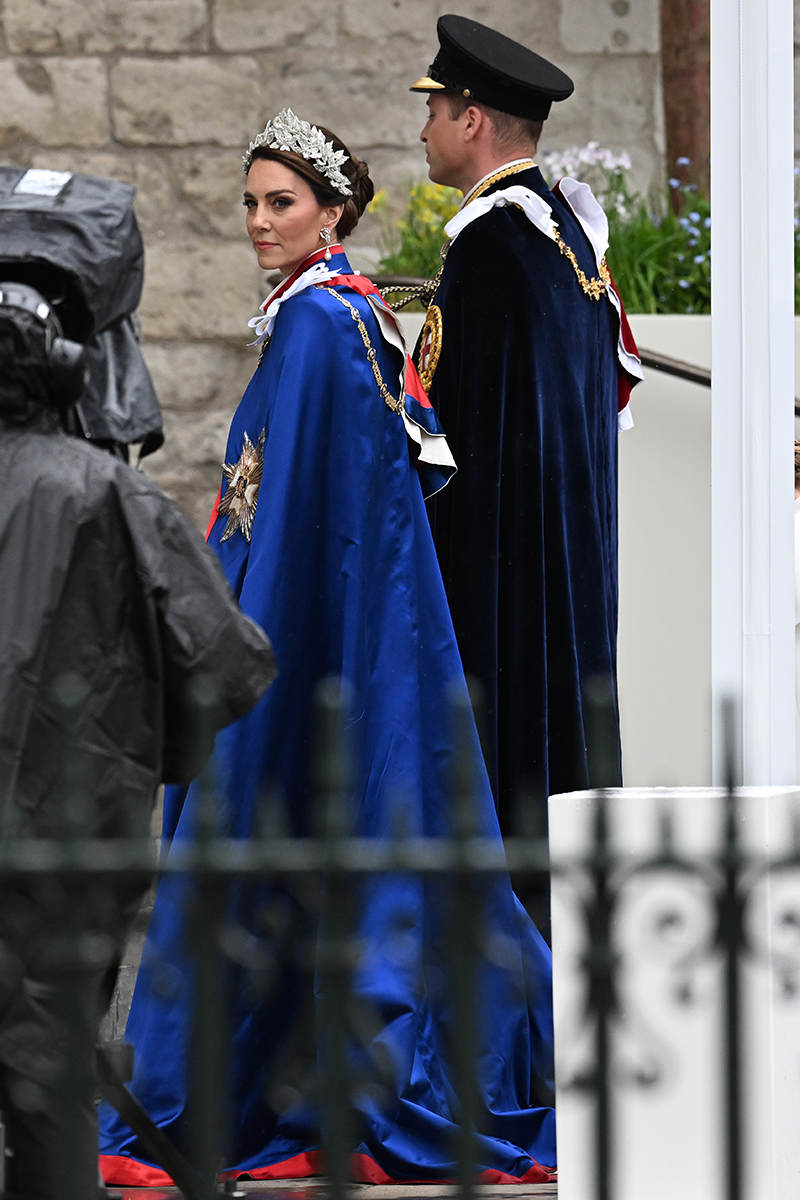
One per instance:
(395,405)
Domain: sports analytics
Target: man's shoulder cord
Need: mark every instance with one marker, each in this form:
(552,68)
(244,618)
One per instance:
(423,292)
(372,356)
(593,288)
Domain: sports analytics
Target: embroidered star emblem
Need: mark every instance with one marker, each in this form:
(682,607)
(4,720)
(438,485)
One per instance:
(244,479)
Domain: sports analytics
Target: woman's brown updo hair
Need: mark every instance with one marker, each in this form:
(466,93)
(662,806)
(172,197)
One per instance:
(356,171)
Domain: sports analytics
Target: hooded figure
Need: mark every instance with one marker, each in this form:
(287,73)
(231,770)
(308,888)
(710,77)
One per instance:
(113,610)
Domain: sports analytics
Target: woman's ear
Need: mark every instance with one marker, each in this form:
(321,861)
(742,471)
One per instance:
(333,215)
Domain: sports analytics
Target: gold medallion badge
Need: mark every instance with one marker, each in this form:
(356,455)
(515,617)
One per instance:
(244,479)
(430,346)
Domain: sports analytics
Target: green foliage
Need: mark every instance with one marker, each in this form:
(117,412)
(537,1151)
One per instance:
(661,261)
(412,245)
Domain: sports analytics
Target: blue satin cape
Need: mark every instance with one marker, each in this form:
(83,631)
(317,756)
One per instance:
(342,573)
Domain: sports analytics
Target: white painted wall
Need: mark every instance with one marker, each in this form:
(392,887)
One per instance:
(752,304)
(665,565)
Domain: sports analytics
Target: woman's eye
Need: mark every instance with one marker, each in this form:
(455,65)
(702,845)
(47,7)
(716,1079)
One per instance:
(248,202)
(283,202)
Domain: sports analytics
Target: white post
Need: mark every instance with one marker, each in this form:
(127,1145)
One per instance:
(752,640)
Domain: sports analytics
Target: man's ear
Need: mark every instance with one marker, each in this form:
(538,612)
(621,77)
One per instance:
(474,121)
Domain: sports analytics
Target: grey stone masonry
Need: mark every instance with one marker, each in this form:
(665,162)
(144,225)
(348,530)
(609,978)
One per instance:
(165,94)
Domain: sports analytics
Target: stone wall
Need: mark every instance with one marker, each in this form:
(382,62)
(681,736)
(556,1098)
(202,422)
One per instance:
(164,94)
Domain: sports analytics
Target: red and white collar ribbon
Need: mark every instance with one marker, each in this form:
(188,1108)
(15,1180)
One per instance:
(314,270)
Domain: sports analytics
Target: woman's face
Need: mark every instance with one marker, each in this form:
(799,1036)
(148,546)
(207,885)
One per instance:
(283,217)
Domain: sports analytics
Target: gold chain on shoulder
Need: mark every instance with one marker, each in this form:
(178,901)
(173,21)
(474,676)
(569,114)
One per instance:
(423,292)
(593,288)
(394,405)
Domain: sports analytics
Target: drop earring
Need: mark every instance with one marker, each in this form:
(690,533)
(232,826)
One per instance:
(325,234)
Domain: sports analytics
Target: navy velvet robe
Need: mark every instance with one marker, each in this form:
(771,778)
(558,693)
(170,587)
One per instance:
(526,534)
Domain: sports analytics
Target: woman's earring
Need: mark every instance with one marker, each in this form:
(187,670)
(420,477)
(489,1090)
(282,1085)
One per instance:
(325,234)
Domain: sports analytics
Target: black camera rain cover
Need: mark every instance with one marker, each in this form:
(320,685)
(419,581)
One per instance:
(82,226)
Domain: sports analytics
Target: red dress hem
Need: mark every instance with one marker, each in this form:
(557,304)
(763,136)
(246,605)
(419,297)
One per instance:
(121,1171)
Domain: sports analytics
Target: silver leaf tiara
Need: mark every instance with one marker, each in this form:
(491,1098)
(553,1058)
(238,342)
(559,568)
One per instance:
(288,132)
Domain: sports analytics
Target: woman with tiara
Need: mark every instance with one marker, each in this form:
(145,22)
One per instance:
(322,532)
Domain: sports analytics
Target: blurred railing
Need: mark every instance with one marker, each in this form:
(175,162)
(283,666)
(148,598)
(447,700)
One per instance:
(324,868)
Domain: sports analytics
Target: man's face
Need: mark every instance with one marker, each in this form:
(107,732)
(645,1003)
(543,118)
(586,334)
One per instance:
(444,143)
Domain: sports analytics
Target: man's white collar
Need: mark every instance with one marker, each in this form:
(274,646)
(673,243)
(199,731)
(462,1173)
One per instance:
(537,210)
(517,162)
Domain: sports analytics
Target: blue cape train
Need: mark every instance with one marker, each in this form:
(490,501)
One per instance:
(342,572)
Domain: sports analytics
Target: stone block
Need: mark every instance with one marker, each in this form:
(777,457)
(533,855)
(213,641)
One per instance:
(616,109)
(415,19)
(200,288)
(103,26)
(210,185)
(253,25)
(186,101)
(537,26)
(53,101)
(610,26)
(364,110)
(199,376)
(393,170)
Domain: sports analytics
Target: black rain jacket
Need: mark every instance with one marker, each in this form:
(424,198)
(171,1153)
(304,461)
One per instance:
(111,608)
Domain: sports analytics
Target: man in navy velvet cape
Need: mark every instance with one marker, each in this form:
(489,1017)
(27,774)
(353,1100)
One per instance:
(523,359)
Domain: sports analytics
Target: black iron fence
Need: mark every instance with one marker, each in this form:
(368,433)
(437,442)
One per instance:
(326,867)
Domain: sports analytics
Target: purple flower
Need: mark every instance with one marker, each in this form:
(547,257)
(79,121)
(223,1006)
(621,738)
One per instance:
(683,162)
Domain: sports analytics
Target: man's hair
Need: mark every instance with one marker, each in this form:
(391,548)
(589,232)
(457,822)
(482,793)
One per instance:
(507,128)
